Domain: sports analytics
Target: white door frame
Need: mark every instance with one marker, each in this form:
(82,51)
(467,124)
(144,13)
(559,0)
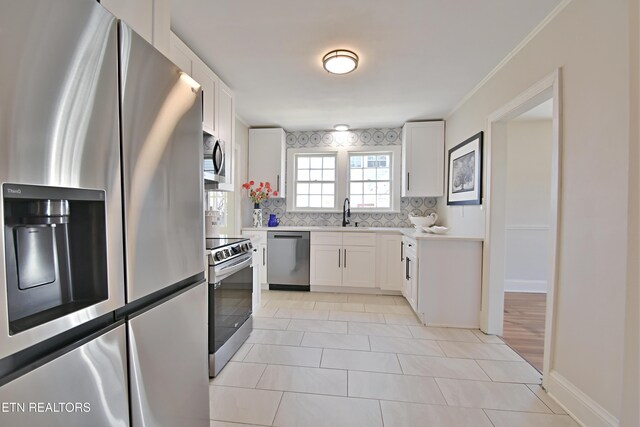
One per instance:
(492,311)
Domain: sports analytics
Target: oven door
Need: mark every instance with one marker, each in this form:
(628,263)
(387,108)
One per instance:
(230,300)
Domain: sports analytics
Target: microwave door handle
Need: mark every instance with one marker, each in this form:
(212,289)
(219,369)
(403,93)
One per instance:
(217,148)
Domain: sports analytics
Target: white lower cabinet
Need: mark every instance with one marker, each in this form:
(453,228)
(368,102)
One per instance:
(326,265)
(389,261)
(410,282)
(357,268)
(343,259)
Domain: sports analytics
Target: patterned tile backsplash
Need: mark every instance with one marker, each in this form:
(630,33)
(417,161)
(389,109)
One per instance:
(354,138)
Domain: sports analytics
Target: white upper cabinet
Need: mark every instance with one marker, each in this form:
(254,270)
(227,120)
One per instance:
(267,157)
(423,159)
(208,82)
(218,106)
(149,18)
(225,130)
(180,54)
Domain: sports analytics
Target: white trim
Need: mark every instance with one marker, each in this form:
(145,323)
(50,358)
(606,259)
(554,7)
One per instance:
(583,409)
(525,286)
(492,311)
(354,290)
(511,54)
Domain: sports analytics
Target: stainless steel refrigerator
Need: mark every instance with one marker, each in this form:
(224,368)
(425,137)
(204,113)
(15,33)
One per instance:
(164,238)
(103,317)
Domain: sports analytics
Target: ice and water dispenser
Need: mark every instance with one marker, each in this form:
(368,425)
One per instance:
(55,250)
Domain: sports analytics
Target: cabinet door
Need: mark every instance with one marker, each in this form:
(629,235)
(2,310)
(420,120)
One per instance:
(262,253)
(267,157)
(225,125)
(390,262)
(203,75)
(180,54)
(423,159)
(357,269)
(326,265)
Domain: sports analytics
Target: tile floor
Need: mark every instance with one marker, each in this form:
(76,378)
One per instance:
(322,359)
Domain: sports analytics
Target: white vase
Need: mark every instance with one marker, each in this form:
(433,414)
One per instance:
(257,217)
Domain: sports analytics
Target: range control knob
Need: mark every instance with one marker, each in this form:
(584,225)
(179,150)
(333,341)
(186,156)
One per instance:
(218,256)
(249,246)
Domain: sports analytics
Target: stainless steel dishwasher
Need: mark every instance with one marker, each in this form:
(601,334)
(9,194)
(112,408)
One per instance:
(288,260)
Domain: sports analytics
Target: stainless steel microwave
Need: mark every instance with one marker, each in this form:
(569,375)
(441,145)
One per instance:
(214,161)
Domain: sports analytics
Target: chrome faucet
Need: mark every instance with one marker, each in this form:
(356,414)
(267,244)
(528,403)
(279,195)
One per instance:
(346,212)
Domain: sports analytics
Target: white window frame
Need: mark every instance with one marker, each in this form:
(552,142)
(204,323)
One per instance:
(342,176)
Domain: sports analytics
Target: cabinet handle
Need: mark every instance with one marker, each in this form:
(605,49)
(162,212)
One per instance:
(401,251)
(338,258)
(408,181)
(345,258)
(278,183)
(264,256)
(406,272)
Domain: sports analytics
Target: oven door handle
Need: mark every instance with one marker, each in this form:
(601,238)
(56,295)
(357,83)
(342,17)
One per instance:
(223,273)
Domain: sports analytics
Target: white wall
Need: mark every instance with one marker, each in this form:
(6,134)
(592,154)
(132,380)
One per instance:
(528,205)
(589,40)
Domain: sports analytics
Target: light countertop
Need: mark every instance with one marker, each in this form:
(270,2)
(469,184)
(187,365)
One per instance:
(409,232)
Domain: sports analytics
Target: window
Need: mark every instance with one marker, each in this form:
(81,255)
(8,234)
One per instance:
(370,180)
(315,176)
(318,179)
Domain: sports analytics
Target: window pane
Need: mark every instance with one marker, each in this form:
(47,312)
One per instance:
(329,162)
(328,201)
(356,201)
(371,162)
(369,174)
(329,175)
(356,174)
(369,200)
(303,189)
(383,174)
(303,163)
(383,188)
(315,188)
(328,189)
(302,201)
(316,162)
(355,188)
(356,161)
(315,175)
(315,201)
(383,161)
(369,188)
(384,202)
(303,175)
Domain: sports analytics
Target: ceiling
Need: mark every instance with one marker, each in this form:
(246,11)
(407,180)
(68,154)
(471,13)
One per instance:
(418,58)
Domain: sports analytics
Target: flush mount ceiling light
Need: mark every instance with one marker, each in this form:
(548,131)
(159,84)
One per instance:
(340,61)
(341,128)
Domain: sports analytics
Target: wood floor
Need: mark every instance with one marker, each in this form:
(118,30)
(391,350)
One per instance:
(524,325)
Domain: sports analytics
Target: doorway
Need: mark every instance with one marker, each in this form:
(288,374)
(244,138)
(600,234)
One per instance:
(523,187)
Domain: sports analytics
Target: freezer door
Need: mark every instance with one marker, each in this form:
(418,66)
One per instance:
(85,387)
(59,127)
(162,155)
(168,362)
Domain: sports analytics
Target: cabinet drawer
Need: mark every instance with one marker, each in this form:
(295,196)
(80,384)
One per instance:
(359,239)
(326,238)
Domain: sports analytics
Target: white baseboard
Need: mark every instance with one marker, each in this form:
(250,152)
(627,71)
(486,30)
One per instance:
(531,286)
(354,290)
(576,403)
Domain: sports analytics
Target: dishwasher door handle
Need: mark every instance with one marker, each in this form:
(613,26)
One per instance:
(287,236)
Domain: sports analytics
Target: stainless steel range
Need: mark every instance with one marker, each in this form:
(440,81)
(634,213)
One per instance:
(230,298)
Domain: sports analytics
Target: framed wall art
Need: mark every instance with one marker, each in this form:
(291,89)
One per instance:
(464,183)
